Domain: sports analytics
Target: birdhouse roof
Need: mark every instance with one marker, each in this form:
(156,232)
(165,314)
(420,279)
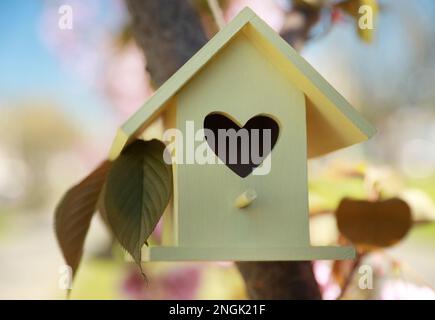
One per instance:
(332,123)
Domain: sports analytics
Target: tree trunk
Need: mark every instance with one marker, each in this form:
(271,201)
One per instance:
(280,280)
(170,32)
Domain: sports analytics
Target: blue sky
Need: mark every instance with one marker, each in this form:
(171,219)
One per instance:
(28,70)
(24,63)
(27,66)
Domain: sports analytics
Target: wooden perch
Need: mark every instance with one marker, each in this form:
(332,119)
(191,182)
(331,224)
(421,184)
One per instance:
(246,198)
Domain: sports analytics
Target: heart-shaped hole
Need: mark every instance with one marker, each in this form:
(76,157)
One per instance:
(241,149)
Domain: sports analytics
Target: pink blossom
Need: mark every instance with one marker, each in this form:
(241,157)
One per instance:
(398,289)
(322,272)
(266,9)
(126,82)
(181,282)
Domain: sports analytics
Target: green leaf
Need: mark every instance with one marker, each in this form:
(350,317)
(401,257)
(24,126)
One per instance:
(138,189)
(74,213)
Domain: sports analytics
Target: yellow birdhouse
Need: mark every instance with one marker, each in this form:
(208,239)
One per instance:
(246,77)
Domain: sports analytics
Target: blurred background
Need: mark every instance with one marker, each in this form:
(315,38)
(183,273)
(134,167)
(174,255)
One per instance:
(63,93)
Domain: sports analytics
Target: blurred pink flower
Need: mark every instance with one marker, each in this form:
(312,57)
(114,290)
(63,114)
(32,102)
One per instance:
(182,283)
(179,283)
(157,233)
(126,82)
(84,49)
(268,10)
(322,272)
(134,285)
(397,289)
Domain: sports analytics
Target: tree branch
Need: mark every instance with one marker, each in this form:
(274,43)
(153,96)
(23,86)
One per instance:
(280,280)
(170,32)
(298,33)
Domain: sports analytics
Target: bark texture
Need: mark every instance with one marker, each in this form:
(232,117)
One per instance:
(280,280)
(169,33)
(298,35)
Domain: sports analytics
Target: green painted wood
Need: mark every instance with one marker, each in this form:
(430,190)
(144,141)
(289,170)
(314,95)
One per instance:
(207,215)
(247,253)
(338,120)
(247,70)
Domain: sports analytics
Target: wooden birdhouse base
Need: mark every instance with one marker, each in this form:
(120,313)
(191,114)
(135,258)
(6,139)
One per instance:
(167,253)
